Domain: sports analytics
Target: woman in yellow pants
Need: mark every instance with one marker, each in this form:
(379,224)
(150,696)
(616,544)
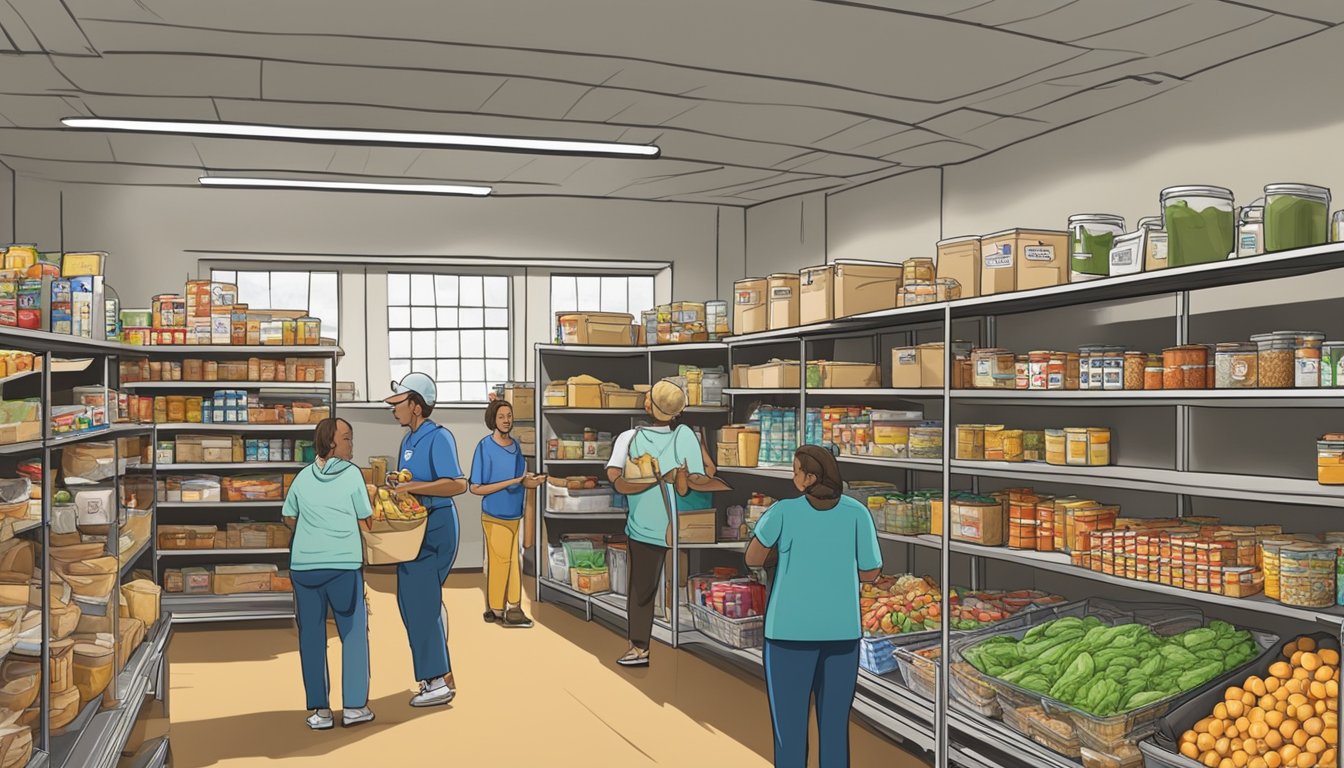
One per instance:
(499,474)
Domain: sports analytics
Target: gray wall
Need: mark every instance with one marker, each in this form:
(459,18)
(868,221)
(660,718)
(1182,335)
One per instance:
(786,235)
(7,233)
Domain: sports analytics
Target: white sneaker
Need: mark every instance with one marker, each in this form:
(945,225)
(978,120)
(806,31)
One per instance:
(353,717)
(319,721)
(433,694)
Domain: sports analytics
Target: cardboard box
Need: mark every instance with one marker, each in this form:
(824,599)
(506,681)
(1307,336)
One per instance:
(697,526)
(726,454)
(979,523)
(783,293)
(847,288)
(556,394)
(850,375)
(998,263)
(523,399)
(1040,256)
(583,392)
(590,581)
(816,294)
(914,294)
(959,258)
(598,328)
(917,367)
(240,579)
(750,313)
(737,376)
(615,397)
(776,374)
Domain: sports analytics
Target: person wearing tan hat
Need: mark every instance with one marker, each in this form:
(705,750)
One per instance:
(686,471)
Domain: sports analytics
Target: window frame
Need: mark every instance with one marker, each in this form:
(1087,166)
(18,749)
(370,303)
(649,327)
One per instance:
(308,269)
(626,276)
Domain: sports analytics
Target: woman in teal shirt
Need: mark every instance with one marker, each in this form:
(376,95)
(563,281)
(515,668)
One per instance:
(826,544)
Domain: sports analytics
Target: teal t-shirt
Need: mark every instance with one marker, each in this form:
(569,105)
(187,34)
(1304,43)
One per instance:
(329,502)
(647,521)
(815,594)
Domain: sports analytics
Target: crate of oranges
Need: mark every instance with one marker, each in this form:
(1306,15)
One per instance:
(1285,715)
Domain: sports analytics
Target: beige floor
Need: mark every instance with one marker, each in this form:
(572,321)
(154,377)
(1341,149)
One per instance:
(548,697)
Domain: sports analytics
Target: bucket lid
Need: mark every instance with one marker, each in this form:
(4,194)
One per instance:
(1196,190)
(1099,218)
(1298,190)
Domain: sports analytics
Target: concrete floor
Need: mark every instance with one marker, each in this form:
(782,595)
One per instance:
(550,697)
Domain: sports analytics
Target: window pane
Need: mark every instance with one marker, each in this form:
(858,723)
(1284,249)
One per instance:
(590,294)
(496,291)
(254,289)
(445,290)
(641,295)
(473,369)
(474,391)
(398,317)
(471,318)
(614,294)
(422,290)
(472,294)
(450,393)
(496,318)
(398,369)
(223,276)
(422,317)
(423,366)
(497,342)
(289,290)
(497,371)
(399,344)
(398,289)
(422,343)
(473,344)
(450,370)
(564,296)
(447,318)
(447,343)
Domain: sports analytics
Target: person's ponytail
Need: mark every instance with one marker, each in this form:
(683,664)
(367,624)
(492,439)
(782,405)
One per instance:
(820,463)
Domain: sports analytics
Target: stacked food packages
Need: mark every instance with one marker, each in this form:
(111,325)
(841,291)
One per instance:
(227,579)
(61,293)
(253,369)
(1067,446)
(684,322)
(224,406)
(906,604)
(209,313)
(212,489)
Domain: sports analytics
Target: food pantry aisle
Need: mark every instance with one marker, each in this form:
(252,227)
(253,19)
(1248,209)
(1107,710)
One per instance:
(547,696)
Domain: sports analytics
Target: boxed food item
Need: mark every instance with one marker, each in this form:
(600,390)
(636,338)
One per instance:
(1034,258)
(616,397)
(776,374)
(598,328)
(750,305)
(590,581)
(697,526)
(783,300)
(252,488)
(187,536)
(917,293)
(556,395)
(979,521)
(196,581)
(959,259)
(836,375)
(522,396)
(239,579)
(583,392)
(281,582)
(172,581)
(847,288)
(918,367)
(258,536)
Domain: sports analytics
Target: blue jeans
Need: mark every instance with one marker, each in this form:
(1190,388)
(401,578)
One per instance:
(795,671)
(342,592)
(420,595)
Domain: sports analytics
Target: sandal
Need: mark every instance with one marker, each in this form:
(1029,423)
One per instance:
(634,658)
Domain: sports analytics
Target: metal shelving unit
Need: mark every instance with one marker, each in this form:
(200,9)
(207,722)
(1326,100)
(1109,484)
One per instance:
(951,734)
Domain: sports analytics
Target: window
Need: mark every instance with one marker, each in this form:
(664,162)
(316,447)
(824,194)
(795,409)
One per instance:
(597,293)
(452,327)
(317,293)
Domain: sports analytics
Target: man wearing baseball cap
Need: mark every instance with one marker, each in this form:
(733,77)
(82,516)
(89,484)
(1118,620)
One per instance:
(430,453)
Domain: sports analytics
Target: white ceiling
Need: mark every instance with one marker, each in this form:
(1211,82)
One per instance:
(750,100)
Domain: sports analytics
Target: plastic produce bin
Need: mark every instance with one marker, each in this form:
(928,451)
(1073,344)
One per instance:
(1109,740)
(747,632)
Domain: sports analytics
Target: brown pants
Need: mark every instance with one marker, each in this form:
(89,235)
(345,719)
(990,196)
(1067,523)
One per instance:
(646,564)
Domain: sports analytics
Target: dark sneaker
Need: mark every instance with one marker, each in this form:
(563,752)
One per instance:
(515,618)
(491,617)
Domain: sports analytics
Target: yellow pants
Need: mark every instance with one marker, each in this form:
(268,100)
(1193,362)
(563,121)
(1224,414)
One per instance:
(504,575)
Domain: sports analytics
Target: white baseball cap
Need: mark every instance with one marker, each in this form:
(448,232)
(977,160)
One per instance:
(419,383)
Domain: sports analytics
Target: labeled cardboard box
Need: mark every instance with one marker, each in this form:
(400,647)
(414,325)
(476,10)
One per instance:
(959,258)
(750,305)
(583,392)
(998,263)
(847,288)
(776,374)
(783,300)
(523,398)
(1040,256)
(917,367)
(850,375)
(600,328)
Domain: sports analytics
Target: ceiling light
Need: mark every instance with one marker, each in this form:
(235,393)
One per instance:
(420,189)
(346,136)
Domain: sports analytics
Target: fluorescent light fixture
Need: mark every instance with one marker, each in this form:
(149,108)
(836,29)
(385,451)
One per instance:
(419,189)
(345,136)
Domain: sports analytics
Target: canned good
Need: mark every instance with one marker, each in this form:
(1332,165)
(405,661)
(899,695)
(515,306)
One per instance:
(1330,460)
(971,442)
(1023,371)
(1235,366)
(1307,575)
(1075,447)
(1307,360)
(1275,358)
(1056,447)
(1269,563)
(1038,370)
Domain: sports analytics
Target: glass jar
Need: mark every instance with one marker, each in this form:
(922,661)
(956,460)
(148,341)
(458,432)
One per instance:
(1307,575)
(1091,237)
(1135,362)
(1152,376)
(1275,364)
(1337,227)
(1251,230)
(1235,366)
(1022,371)
(1193,376)
(1332,364)
(1269,563)
(1296,216)
(1199,223)
(1307,360)
(1155,243)
(1113,368)
(1038,370)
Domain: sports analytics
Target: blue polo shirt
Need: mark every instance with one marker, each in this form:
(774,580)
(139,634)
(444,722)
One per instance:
(815,596)
(495,463)
(430,453)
